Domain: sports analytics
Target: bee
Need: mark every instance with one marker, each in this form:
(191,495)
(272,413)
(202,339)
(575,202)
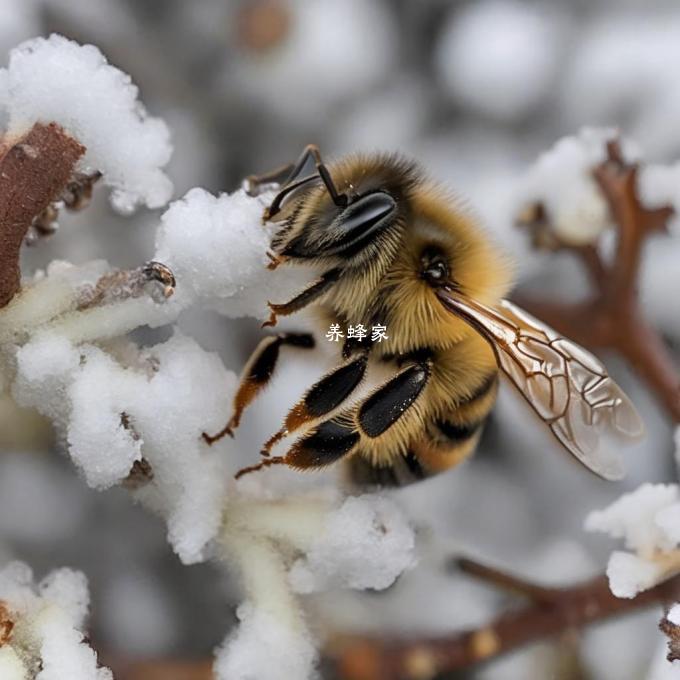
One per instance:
(394,249)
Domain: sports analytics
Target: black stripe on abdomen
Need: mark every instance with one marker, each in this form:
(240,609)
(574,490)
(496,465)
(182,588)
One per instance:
(456,432)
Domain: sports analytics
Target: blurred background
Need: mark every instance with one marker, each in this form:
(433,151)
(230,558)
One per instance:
(473,90)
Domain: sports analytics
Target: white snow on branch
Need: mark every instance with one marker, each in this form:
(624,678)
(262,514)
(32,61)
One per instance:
(562,181)
(648,520)
(142,405)
(359,543)
(365,543)
(57,80)
(216,247)
(49,620)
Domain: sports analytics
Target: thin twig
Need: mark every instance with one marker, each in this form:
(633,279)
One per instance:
(359,657)
(403,658)
(34,171)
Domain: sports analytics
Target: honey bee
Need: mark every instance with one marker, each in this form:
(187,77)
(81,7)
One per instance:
(396,250)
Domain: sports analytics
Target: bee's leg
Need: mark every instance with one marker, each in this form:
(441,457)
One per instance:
(384,407)
(310,294)
(375,415)
(322,398)
(257,373)
(255,184)
(330,441)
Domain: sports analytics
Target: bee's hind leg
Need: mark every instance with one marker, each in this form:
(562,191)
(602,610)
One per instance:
(322,398)
(345,434)
(330,441)
(257,374)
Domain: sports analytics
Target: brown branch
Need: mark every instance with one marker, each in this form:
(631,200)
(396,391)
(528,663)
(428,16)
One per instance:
(556,612)
(569,609)
(612,318)
(6,624)
(672,632)
(511,583)
(34,171)
(162,669)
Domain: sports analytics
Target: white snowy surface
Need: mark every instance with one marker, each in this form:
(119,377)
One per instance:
(561,180)
(57,80)
(89,391)
(648,520)
(49,619)
(301,544)
(674,615)
(262,648)
(366,543)
(216,247)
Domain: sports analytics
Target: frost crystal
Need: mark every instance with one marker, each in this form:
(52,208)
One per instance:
(56,80)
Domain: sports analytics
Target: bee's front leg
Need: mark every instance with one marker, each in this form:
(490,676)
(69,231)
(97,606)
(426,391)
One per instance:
(310,294)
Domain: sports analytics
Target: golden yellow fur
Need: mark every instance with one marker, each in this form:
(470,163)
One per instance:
(415,319)
(383,282)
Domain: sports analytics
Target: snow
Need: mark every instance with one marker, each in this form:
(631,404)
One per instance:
(49,618)
(366,543)
(658,185)
(57,80)
(216,247)
(633,517)
(674,615)
(264,649)
(561,180)
(89,395)
(629,574)
(11,665)
(648,519)
(302,543)
(498,57)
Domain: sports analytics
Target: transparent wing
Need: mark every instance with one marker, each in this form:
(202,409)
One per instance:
(566,385)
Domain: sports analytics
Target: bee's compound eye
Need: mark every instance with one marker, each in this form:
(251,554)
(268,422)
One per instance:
(436,271)
(434,267)
(362,215)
